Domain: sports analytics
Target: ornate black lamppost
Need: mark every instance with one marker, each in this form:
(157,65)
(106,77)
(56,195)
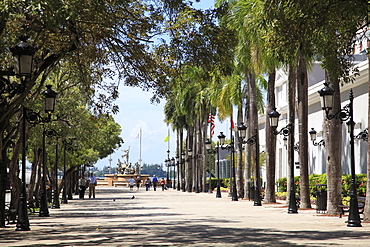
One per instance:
(173,164)
(344,114)
(23,54)
(286,131)
(167,161)
(313,135)
(178,172)
(182,173)
(242,129)
(210,151)
(230,147)
(49,104)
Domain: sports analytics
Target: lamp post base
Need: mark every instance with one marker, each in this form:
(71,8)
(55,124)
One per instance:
(292,209)
(44,211)
(23,223)
(218,193)
(353,215)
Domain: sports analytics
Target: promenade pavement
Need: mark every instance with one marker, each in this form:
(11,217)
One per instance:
(174,218)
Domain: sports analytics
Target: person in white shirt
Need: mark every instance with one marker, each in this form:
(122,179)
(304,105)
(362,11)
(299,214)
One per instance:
(131,183)
(92,184)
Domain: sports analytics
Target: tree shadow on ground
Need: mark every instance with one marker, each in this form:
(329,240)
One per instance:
(126,222)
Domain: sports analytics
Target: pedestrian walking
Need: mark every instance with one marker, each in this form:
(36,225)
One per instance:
(163,183)
(92,183)
(131,182)
(154,183)
(138,182)
(147,184)
(82,187)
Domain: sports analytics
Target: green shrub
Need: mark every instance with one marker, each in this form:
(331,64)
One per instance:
(360,184)
(317,182)
(223,182)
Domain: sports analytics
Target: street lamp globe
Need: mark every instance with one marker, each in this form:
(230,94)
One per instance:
(221,137)
(326,97)
(49,100)
(350,124)
(274,118)
(313,134)
(23,53)
(190,152)
(208,144)
(242,130)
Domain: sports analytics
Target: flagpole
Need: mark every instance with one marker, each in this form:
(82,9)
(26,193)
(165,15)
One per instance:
(168,145)
(140,149)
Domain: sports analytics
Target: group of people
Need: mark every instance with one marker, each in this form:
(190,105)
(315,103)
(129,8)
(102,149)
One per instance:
(148,183)
(84,183)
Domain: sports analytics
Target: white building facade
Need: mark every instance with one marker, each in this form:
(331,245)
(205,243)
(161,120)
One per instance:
(317,155)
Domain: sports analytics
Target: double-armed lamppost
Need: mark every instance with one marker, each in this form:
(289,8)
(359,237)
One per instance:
(173,164)
(344,114)
(167,162)
(253,140)
(230,147)
(208,144)
(286,131)
(36,118)
(178,172)
(23,54)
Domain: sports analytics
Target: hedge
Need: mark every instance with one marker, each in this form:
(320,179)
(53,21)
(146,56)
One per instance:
(316,181)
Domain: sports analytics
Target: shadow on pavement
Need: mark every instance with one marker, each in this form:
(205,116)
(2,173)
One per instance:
(125,222)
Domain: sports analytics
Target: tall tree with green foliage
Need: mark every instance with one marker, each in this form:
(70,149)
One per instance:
(93,35)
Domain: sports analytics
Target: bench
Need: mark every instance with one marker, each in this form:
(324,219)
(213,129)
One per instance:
(10,215)
(345,208)
(120,183)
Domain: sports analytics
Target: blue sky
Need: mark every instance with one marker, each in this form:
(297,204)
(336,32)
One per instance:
(137,112)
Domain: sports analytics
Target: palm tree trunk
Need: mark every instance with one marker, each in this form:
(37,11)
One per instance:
(247,153)
(292,77)
(204,153)
(189,170)
(302,86)
(270,142)
(333,146)
(239,167)
(254,131)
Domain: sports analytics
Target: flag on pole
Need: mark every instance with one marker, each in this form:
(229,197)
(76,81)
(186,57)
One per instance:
(137,135)
(167,138)
(211,120)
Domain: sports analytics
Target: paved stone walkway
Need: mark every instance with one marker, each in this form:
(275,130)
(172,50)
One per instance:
(174,218)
